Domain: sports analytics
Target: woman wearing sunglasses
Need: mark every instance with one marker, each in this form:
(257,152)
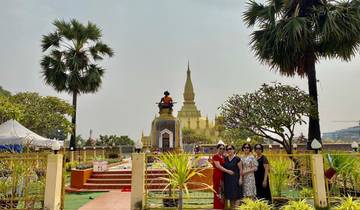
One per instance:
(262,175)
(232,189)
(249,167)
(218,164)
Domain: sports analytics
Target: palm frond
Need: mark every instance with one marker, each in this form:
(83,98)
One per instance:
(100,48)
(93,32)
(52,39)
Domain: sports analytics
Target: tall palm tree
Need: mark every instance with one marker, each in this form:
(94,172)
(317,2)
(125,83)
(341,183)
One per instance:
(292,35)
(70,64)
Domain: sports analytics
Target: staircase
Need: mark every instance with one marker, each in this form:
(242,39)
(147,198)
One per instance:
(110,180)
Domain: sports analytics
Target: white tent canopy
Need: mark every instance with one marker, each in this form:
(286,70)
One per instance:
(12,132)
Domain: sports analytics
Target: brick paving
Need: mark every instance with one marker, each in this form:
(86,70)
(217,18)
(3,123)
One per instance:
(113,200)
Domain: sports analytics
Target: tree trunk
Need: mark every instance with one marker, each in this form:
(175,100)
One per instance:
(73,121)
(314,124)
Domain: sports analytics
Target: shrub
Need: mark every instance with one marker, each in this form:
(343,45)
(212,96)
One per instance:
(306,193)
(84,166)
(70,165)
(348,204)
(249,204)
(113,155)
(297,205)
(279,175)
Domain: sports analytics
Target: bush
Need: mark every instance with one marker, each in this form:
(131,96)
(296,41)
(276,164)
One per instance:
(249,204)
(113,155)
(84,166)
(348,204)
(297,205)
(70,165)
(279,175)
(306,193)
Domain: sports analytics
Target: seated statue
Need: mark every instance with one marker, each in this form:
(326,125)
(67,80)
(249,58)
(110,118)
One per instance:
(166,101)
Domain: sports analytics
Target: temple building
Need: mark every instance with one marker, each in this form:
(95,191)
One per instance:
(189,117)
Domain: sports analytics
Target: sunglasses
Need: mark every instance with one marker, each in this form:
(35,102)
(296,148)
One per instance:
(257,148)
(246,147)
(227,149)
(221,148)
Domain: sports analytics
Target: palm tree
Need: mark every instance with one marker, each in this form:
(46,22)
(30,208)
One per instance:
(292,35)
(70,65)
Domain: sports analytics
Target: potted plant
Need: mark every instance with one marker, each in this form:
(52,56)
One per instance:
(179,169)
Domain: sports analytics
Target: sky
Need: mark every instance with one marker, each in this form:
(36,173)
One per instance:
(153,41)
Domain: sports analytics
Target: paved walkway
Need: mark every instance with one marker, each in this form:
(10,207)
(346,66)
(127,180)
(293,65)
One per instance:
(113,200)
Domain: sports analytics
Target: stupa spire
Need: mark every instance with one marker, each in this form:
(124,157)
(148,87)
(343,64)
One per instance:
(189,108)
(189,94)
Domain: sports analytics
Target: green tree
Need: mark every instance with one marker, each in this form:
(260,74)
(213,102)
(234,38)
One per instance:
(292,35)
(46,116)
(4,92)
(189,136)
(272,112)
(9,110)
(70,65)
(113,140)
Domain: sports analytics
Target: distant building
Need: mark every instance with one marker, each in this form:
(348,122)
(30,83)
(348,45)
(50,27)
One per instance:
(189,116)
(347,134)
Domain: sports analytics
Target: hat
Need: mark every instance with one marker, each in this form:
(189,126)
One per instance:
(220,142)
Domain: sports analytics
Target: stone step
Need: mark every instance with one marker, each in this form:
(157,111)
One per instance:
(124,176)
(121,181)
(106,186)
(155,171)
(113,172)
(109,181)
(110,176)
(150,186)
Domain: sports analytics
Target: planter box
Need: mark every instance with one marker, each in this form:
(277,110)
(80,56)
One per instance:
(99,166)
(80,177)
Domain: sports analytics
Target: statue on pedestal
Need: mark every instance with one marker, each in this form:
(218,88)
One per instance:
(166,102)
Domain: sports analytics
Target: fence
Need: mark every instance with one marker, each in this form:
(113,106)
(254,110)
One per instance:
(158,194)
(291,178)
(343,171)
(88,154)
(22,180)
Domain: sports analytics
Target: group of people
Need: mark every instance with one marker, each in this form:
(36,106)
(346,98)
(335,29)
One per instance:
(237,177)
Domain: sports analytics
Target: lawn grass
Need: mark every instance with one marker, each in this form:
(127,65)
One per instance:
(74,201)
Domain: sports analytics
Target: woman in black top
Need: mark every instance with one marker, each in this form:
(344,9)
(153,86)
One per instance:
(262,175)
(232,189)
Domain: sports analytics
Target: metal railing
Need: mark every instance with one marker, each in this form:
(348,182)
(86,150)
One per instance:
(22,180)
(89,154)
(290,177)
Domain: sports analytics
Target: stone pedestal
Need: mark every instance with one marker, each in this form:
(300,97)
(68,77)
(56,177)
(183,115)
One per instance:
(166,132)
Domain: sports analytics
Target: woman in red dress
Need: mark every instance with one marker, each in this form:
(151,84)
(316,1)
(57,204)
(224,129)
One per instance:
(218,163)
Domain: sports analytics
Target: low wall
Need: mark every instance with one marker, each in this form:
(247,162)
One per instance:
(207,179)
